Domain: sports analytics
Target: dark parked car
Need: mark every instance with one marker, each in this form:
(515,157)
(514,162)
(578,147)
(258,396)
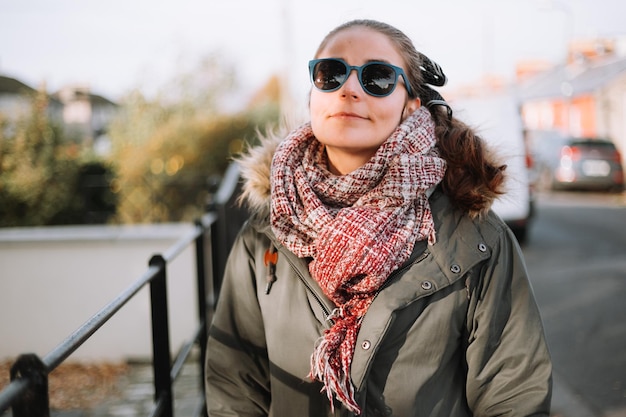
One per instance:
(569,163)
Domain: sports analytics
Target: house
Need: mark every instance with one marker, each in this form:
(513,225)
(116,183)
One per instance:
(85,116)
(586,96)
(15,100)
(14,96)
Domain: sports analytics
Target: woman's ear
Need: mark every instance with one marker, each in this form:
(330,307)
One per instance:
(411,105)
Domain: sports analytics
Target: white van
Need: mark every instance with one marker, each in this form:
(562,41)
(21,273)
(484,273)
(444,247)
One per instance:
(496,117)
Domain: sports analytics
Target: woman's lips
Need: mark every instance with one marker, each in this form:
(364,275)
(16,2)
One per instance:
(346,115)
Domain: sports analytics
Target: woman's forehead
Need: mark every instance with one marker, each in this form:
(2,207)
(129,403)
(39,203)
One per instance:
(362,44)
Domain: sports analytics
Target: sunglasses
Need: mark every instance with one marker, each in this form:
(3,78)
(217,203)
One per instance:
(378,79)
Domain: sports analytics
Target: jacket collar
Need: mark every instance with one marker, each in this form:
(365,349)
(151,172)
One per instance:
(460,245)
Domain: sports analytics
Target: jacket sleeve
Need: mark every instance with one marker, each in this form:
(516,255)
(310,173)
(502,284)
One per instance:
(237,369)
(509,365)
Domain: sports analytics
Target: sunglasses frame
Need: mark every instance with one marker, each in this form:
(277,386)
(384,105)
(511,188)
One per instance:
(399,72)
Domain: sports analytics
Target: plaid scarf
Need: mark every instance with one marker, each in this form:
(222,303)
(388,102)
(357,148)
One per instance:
(357,228)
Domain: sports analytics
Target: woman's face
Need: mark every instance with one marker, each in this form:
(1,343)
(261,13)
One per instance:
(349,122)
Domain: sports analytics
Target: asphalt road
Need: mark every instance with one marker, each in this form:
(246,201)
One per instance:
(576,257)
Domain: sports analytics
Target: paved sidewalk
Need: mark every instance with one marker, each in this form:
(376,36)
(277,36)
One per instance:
(136,395)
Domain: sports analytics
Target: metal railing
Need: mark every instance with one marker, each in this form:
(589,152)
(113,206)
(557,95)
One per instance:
(27,393)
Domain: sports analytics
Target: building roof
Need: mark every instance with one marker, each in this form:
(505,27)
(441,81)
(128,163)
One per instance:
(97,99)
(10,85)
(78,92)
(573,79)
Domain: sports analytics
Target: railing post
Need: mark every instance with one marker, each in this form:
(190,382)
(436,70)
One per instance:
(218,249)
(202,300)
(34,402)
(162,361)
(216,262)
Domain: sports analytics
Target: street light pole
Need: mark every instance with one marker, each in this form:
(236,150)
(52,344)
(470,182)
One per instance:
(568,12)
(566,87)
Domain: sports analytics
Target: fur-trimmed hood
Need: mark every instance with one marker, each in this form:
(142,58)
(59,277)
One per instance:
(255,165)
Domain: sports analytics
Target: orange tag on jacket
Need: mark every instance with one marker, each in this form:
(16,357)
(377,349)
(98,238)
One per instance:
(270,258)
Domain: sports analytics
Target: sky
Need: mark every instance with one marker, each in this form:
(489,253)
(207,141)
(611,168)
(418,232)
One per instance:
(115,46)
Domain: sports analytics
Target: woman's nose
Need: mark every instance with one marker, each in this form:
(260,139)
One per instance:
(352,87)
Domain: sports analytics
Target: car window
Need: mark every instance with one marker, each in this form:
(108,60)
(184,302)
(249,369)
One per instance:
(594,144)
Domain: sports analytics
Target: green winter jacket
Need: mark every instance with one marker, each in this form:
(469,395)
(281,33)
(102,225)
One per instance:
(454,332)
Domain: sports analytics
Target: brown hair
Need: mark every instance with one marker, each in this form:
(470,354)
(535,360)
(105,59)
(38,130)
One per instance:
(474,178)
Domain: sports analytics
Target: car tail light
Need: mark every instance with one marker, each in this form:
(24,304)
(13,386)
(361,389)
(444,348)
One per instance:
(617,157)
(570,152)
(529,161)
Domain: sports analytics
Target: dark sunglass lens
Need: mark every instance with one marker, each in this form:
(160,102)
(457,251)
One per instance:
(329,74)
(378,79)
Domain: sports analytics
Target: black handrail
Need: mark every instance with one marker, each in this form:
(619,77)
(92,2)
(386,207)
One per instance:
(27,393)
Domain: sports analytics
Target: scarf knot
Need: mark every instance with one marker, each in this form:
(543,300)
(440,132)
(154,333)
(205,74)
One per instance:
(357,228)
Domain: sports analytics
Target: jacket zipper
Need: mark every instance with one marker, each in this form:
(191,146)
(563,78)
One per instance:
(310,288)
(322,305)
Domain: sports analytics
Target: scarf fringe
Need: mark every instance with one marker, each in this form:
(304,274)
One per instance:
(337,383)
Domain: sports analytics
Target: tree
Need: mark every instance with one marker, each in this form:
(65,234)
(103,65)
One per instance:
(37,170)
(166,149)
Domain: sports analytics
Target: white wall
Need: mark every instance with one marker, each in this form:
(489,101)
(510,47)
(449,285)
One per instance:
(52,280)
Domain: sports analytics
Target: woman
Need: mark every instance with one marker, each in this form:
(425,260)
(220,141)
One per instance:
(372,278)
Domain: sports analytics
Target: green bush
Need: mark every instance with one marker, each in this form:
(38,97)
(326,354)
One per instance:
(166,149)
(37,171)
(164,152)
(165,177)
